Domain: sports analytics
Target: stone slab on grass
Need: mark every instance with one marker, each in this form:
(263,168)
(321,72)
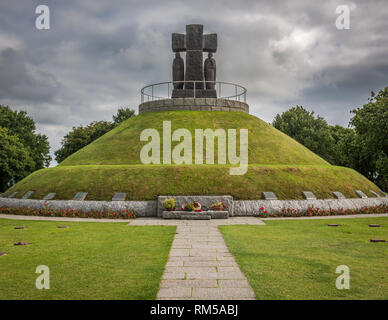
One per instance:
(80,196)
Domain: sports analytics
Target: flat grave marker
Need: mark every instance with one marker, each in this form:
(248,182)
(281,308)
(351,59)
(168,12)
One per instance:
(80,196)
(308,195)
(28,194)
(119,196)
(19,243)
(361,194)
(12,195)
(375,194)
(49,196)
(338,195)
(269,195)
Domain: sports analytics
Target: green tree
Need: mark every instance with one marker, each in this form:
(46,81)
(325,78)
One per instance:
(313,132)
(345,145)
(19,124)
(81,136)
(15,161)
(371,125)
(122,114)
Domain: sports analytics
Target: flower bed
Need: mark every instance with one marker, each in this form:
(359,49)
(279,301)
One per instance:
(311,212)
(48,212)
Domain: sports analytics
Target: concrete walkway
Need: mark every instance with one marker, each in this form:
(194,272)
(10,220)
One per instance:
(200,265)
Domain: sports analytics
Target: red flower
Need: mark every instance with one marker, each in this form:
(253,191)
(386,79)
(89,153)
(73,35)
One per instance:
(262,208)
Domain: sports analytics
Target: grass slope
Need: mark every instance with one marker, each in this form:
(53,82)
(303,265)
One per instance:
(146,182)
(122,145)
(298,259)
(87,260)
(112,164)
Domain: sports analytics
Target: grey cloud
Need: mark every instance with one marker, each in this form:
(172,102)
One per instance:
(98,54)
(22,82)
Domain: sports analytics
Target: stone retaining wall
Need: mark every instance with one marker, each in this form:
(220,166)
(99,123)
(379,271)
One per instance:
(191,104)
(142,208)
(252,207)
(240,207)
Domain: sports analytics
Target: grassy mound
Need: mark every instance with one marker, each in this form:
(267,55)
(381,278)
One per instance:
(112,164)
(122,145)
(146,182)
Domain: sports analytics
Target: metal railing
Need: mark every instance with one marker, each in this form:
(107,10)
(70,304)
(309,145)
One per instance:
(234,91)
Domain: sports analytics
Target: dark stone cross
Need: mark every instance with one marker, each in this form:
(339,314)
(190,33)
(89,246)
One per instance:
(194,43)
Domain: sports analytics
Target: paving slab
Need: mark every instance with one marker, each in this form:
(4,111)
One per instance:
(200,265)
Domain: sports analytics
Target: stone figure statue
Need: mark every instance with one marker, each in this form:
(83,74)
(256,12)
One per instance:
(178,71)
(210,71)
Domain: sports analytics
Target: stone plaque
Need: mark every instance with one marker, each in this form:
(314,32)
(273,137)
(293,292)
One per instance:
(338,195)
(119,196)
(269,195)
(28,195)
(80,196)
(375,194)
(308,195)
(13,195)
(49,196)
(361,194)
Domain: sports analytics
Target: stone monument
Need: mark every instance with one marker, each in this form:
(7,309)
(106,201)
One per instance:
(178,71)
(194,81)
(194,43)
(210,72)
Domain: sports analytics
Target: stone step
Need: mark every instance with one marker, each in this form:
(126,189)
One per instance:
(205,214)
(196,217)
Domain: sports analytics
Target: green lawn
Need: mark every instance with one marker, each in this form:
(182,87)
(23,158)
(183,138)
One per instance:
(291,259)
(87,260)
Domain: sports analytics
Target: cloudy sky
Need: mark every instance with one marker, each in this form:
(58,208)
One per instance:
(98,54)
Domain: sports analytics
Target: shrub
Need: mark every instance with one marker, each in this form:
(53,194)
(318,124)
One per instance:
(169,203)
